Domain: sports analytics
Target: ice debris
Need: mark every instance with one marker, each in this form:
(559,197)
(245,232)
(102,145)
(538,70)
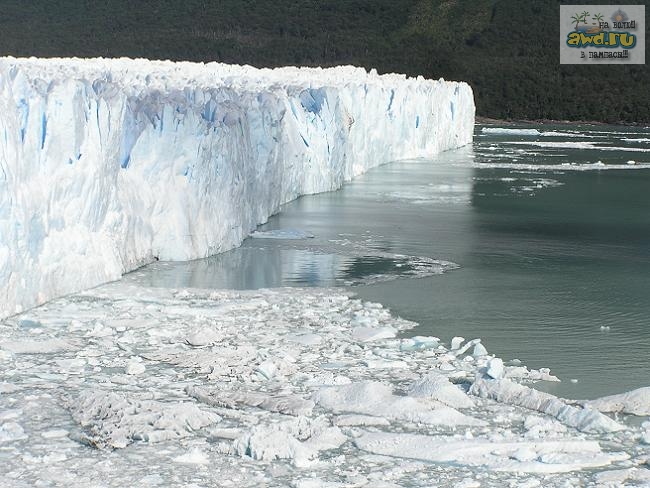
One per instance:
(551,456)
(282,234)
(438,387)
(298,440)
(505,391)
(378,399)
(347,411)
(284,404)
(115,420)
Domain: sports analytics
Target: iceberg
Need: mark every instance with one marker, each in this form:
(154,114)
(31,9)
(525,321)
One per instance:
(205,413)
(107,165)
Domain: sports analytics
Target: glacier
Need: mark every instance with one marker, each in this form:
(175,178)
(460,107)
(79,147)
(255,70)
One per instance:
(107,165)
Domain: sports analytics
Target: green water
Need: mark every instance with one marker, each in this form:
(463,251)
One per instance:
(549,254)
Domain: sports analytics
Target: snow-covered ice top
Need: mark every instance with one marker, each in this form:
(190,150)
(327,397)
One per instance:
(106,165)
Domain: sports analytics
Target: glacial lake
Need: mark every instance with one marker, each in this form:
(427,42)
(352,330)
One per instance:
(547,227)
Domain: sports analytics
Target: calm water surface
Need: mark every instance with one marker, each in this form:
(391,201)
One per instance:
(553,250)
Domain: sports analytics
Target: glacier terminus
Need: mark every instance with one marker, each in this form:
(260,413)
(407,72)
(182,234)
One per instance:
(107,165)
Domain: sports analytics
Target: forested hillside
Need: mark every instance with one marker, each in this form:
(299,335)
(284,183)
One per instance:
(506,49)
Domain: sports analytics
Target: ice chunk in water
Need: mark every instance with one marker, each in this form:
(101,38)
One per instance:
(550,456)
(282,403)
(368,334)
(510,132)
(282,234)
(374,398)
(298,440)
(495,368)
(134,367)
(635,402)
(194,456)
(456,342)
(115,420)
(11,431)
(505,391)
(203,337)
(479,350)
(437,387)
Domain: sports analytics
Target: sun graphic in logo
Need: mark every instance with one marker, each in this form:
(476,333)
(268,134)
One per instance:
(619,16)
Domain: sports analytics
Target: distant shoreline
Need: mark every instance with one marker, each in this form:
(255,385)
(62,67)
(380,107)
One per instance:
(489,120)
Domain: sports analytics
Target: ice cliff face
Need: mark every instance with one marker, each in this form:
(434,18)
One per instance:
(108,164)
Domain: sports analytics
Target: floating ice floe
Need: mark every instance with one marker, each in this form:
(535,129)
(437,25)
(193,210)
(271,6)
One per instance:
(537,133)
(283,391)
(623,477)
(47,346)
(549,456)
(369,334)
(561,167)
(637,139)
(438,387)
(11,431)
(299,440)
(135,367)
(114,420)
(510,131)
(285,404)
(576,145)
(635,402)
(505,391)
(282,234)
(374,398)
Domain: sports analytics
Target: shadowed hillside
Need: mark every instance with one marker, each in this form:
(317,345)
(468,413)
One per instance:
(506,49)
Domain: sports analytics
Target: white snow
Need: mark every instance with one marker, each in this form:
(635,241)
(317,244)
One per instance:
(621,477)
(456,342)
(106,165)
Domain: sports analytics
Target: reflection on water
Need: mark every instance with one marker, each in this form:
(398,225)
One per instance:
(548,255)
(249,268)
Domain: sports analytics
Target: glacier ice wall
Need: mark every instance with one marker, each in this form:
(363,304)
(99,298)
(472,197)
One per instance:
(106,165)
